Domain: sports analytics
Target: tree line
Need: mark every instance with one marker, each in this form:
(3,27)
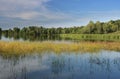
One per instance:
(90,28)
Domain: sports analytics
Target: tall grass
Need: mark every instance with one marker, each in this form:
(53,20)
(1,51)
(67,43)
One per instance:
(16,47)
(89,37)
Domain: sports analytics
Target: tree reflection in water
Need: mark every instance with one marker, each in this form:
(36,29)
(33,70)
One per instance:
(102,65)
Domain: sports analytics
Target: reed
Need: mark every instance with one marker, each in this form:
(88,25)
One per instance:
(90,37)
(17,47)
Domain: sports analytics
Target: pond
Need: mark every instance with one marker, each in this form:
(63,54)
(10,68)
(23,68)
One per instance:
(66,65)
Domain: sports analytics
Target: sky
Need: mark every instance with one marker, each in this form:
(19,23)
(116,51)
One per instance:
(56,13)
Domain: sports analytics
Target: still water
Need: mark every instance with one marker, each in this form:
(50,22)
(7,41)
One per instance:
(50,65)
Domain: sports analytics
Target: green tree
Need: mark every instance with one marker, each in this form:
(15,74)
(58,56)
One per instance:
(91,27)
(16,30)
(99,27)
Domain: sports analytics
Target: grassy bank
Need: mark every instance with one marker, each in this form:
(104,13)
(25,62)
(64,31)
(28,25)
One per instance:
(30,47)
(94,37)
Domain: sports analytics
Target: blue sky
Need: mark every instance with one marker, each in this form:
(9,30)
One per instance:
(56,13)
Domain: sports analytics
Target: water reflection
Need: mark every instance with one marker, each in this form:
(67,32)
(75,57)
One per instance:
(44,37)
(103,65)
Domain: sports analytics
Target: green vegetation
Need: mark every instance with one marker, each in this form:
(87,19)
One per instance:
(91,37)
(103,31)
(30,47)
(90,28)
(98,31)
(0,31)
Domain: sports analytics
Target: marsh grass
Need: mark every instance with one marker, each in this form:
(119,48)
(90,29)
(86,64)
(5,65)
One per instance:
(90,37)
(17,47)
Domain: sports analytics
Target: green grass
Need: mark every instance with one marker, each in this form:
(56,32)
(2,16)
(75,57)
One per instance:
(89,37)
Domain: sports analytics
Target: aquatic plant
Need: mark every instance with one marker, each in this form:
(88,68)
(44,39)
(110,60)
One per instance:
(17,47)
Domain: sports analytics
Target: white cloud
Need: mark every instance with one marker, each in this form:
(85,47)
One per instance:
(36,12)
(24,15)
(21,4)
(24,9)
(29,10)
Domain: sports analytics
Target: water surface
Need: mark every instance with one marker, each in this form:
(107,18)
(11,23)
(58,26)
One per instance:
(50,65)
